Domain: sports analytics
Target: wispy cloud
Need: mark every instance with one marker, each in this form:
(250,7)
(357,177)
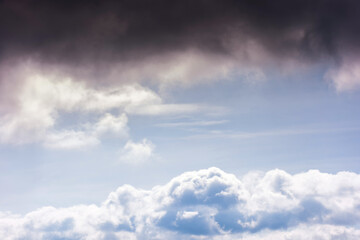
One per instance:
(272,133)
(192,123)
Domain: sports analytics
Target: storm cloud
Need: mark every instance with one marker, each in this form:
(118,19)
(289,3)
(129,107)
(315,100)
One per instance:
(141,38)
(79,31)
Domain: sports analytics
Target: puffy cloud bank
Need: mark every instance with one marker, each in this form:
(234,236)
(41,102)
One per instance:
(208,204)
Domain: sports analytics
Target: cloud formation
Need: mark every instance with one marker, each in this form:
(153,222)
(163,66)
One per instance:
(132,29)
(208,203)
(180,42)
(34,104)
(136,153)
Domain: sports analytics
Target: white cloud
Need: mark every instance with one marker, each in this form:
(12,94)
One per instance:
(39,99)
(25,126)
(187,214)
(110,124)
(136,153)
(90,134)
(208,204)
(62,93)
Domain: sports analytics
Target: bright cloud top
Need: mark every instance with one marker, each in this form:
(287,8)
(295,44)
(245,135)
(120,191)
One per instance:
(208,203)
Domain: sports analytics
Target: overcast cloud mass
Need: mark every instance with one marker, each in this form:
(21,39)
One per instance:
(174,41)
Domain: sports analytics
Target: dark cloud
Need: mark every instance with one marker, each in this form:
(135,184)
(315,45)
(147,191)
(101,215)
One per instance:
(96,31)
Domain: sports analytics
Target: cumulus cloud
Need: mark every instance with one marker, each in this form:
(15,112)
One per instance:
(136,153)
(208,204)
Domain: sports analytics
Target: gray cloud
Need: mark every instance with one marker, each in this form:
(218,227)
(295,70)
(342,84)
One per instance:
(211,203)
(180,41)
(96,31)
(77,31)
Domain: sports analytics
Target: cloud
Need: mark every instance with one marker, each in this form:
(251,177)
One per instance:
(192,123)
(270,133)
(208,204)
(131,30)
(136,153)
(109,124)
(136,41)
(32,109)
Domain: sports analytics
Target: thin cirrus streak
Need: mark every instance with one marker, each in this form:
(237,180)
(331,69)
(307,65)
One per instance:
(209,204)
(274,133)
(193,123)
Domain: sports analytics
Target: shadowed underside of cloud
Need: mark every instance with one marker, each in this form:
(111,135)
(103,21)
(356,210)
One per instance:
(133,29)
(183,41)
(208,203)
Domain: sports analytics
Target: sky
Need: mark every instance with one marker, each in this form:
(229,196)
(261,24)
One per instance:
(179,119)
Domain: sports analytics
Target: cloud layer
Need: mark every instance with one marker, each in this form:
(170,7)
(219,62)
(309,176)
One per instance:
(208,204)
(132,29)
(182,42)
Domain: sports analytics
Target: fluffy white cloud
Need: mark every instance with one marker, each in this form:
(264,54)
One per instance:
(135,153)
(208,204)
(30,109)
